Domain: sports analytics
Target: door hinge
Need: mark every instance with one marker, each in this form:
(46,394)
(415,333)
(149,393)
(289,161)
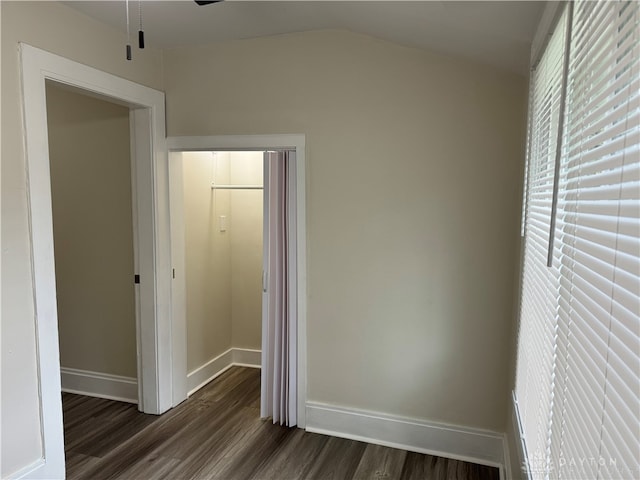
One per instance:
(136,279)
(173,273)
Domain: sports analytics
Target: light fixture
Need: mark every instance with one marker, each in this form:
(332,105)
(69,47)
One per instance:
(140,31)
(126,6)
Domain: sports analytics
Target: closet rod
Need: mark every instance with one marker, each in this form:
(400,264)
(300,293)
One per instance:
(235,187)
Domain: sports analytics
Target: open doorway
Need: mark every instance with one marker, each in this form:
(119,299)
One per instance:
(91,190)
(222,206)
(282,356)
(146,116)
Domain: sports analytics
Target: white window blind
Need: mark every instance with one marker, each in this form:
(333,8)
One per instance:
(539,300)
(596,411)
(589,425)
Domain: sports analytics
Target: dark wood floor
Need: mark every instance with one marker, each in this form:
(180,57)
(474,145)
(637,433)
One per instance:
(218,433)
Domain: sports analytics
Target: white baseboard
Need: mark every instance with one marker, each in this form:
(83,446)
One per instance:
(450,441)
(102,385)
(202,375)
(505,472)
(27,471)
(245,357)
(241,357)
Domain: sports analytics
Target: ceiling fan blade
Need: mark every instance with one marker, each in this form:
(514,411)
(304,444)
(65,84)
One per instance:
(206,2)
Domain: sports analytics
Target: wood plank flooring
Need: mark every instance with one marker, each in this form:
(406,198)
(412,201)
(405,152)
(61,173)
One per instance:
(218,434)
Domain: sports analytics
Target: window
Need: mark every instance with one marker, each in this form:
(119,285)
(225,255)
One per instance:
(578,373)
(539,284)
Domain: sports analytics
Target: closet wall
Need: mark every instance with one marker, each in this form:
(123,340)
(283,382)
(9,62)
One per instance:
(223,240)
(246,249)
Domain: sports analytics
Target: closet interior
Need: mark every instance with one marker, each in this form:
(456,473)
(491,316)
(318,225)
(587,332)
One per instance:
(223,219)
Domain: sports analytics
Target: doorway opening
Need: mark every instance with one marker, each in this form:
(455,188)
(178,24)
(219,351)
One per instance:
(222,213)
(227,186)
(150,171)
(93,229)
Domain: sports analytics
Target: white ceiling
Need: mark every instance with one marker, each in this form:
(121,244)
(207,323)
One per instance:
(494,33)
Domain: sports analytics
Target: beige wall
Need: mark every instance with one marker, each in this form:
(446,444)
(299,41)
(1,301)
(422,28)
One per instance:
(58,29)
(208,258)
(412,208)
(89,154)
(224,268)
(413,201)
(246,250)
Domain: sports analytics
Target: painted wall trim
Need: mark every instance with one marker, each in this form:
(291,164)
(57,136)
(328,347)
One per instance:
(38,66)
(235,142)
(260,142)
(102,385)
(416,435)
(506,472)
(247,357)
(240,357)
(549,17)
(26,471)
(198,378)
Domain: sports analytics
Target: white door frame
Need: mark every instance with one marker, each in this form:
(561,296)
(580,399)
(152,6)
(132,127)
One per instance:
(151,208)
(240,143)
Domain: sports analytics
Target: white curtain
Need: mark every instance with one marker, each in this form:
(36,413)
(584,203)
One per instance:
(279,297)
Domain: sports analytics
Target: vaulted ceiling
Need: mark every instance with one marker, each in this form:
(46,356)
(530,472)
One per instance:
(493,33)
